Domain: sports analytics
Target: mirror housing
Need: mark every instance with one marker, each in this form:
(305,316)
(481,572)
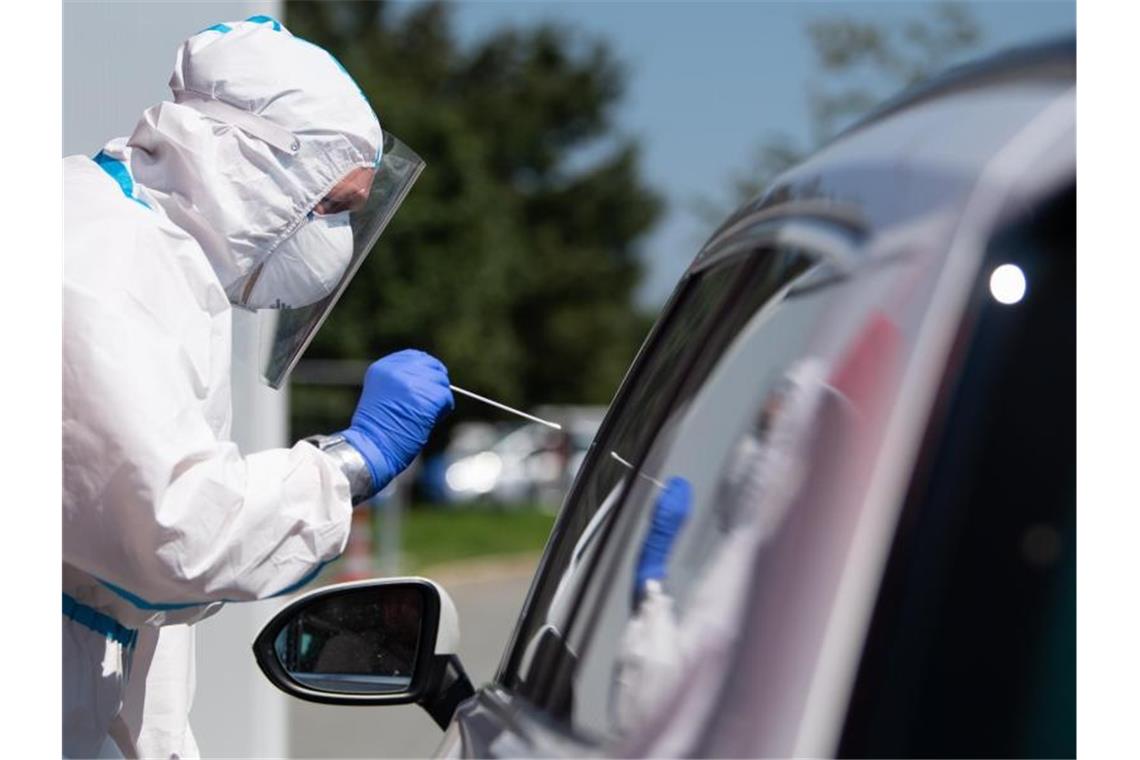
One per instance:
(437,681)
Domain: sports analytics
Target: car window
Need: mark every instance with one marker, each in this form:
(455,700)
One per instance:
(722,296)
(975,625)
(754,392)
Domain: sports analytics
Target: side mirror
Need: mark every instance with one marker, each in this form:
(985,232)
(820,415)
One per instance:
(375,642)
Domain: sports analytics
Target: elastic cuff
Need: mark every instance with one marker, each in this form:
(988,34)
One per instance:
(351,463)
(373,457)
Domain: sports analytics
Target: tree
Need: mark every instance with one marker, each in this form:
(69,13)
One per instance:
(512,259)
(860,62)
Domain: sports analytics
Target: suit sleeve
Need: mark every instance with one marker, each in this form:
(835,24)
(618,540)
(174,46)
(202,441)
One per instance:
(157,506)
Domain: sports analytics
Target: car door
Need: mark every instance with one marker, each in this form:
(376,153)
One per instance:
(755,299)
(975,622)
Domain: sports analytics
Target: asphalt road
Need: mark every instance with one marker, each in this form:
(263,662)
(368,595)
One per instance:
(488,602)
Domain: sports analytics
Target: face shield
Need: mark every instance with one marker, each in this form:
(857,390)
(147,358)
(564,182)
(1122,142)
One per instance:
(287,330)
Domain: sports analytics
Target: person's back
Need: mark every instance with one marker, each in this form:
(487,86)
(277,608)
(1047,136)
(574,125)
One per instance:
(130,273)
(237,192)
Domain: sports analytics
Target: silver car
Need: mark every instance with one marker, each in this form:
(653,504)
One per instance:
(865,386)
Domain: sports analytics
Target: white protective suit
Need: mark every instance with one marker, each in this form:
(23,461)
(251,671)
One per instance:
(163,518)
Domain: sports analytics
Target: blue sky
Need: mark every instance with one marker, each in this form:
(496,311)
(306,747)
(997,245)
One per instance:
(707,81)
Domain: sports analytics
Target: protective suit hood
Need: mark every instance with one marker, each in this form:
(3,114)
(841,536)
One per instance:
(238,195)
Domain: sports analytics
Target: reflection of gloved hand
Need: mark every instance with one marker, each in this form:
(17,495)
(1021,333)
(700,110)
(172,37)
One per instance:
(668,517)
(404,395)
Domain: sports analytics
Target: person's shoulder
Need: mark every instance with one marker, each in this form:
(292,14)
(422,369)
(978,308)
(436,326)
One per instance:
(94,203)
(85,185)
(115,246)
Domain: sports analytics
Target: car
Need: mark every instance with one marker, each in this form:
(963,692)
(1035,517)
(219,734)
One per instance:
(512,464)
(865,385)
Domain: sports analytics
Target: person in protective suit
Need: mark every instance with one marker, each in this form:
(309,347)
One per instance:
(262,185)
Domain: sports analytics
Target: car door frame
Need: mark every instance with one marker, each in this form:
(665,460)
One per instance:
(498,716)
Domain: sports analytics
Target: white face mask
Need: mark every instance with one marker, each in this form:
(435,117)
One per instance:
(306,267)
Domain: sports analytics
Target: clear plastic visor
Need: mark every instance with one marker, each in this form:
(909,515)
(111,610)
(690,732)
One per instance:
(286,333)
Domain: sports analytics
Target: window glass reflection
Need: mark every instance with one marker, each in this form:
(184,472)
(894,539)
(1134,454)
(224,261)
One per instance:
(711,310)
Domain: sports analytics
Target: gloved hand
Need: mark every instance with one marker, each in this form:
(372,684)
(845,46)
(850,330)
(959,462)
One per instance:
(404,395)
(668,517)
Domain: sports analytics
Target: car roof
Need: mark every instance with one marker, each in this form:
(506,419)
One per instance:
(1053,60)
(924,149)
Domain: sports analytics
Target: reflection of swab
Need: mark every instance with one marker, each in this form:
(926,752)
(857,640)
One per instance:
(640,474)
(504,407)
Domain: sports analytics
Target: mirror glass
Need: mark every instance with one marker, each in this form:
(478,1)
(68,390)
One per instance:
(361,640)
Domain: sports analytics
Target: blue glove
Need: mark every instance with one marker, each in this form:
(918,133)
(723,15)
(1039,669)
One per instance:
(668,517)
(404,395)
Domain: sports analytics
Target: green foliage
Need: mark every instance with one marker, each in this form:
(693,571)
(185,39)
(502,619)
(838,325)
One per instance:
(432,536)
(511,260)
(859,63)
(896,56)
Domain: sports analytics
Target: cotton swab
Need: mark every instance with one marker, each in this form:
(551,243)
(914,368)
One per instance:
(640,474)
(504,407)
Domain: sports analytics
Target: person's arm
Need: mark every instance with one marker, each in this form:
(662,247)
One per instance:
(158,507)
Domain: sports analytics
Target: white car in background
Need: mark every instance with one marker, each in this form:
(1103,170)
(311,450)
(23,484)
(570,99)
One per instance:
(528,464)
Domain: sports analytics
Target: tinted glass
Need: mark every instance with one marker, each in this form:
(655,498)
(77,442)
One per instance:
(972,651)
(718,444)
(710,310)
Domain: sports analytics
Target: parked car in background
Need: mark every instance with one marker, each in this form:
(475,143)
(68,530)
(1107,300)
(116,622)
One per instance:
(511,464)
(866,379)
